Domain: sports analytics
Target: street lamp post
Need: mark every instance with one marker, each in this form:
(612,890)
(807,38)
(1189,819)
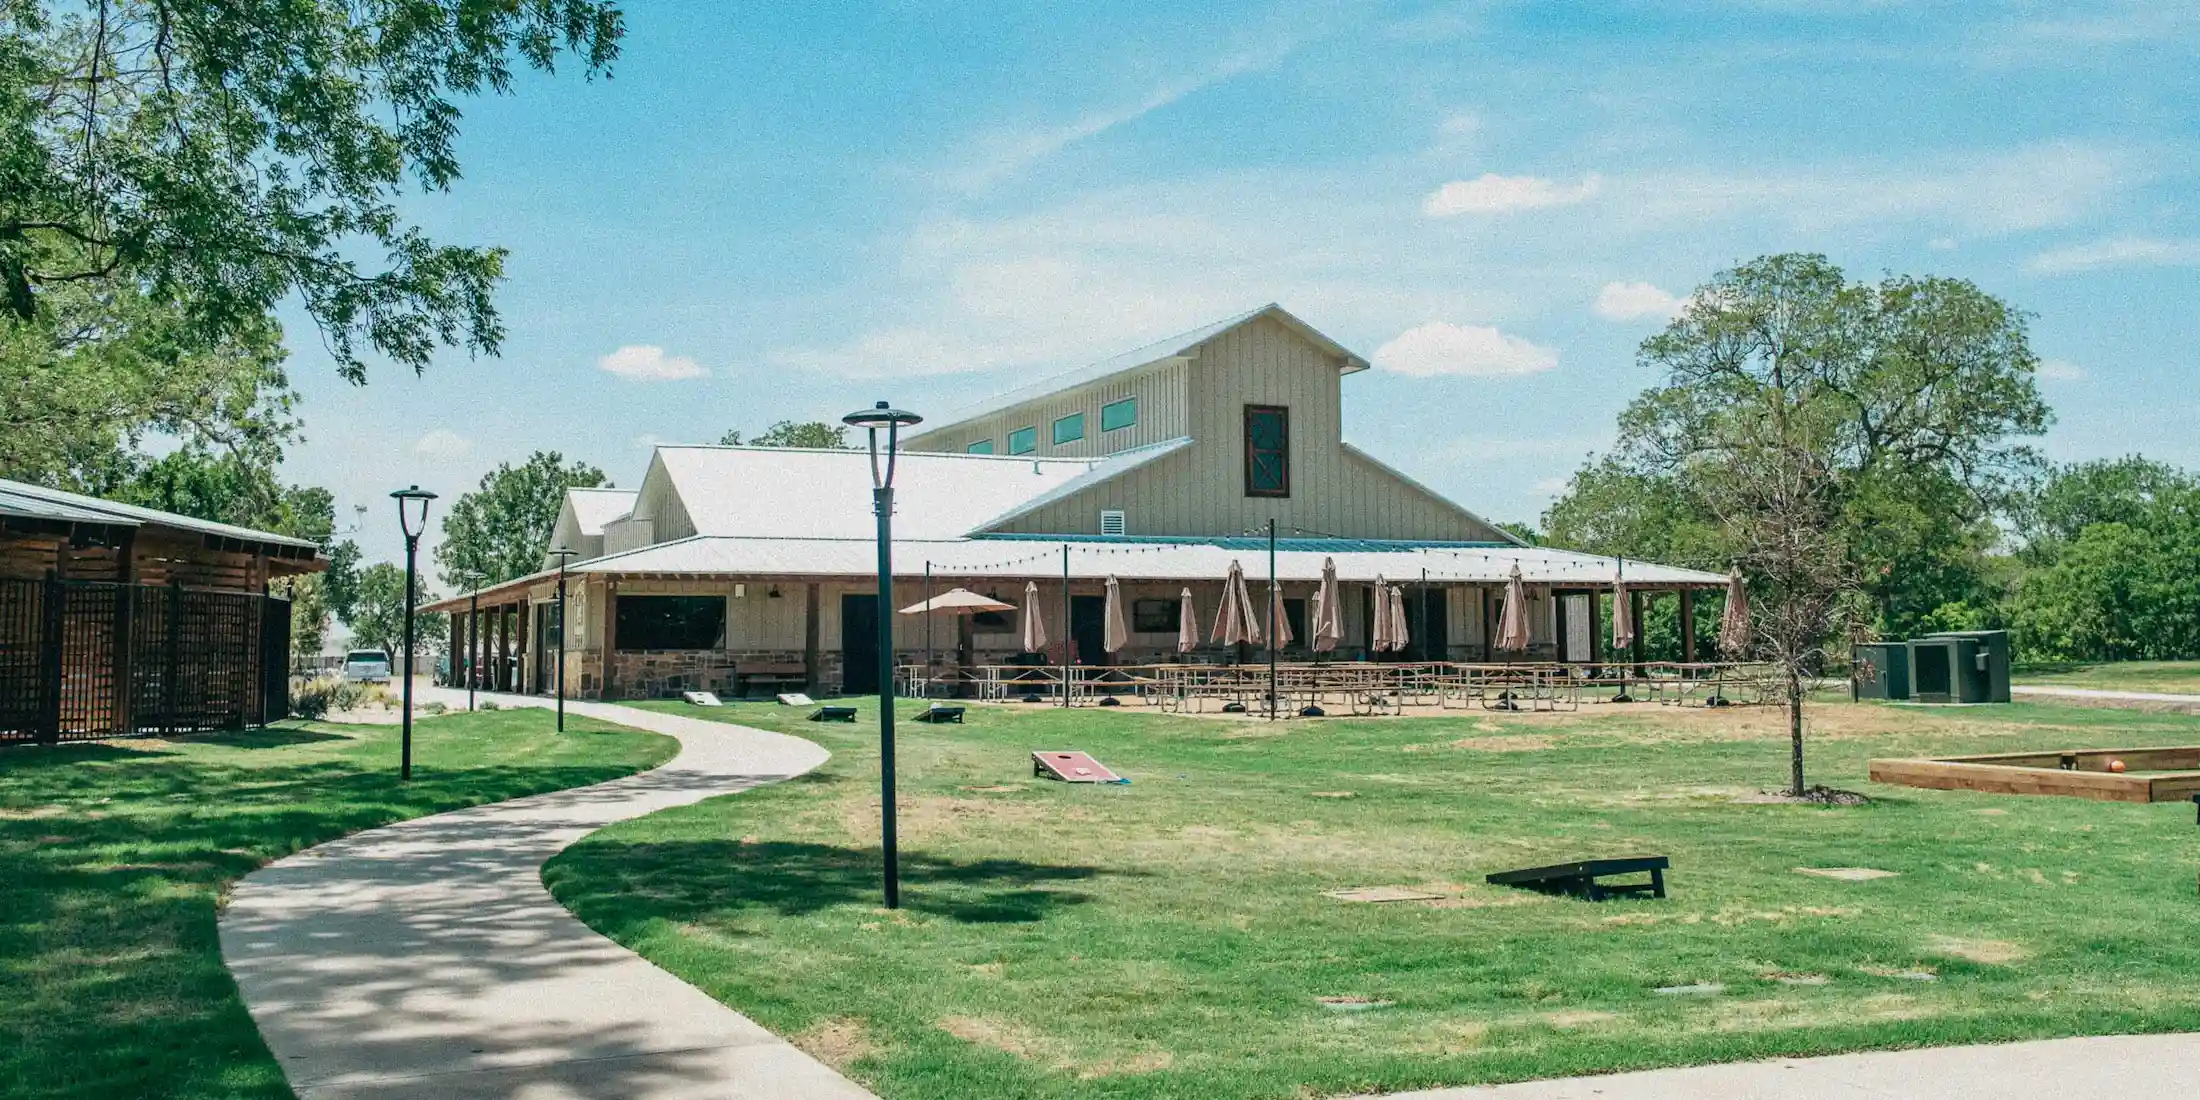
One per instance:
(562,554)
(893,420)
(413,524)
(473,635)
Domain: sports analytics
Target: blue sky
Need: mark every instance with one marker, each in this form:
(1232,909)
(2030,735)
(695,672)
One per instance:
(788,211)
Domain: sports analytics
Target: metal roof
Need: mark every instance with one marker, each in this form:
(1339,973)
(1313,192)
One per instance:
(1173,347)
(1136,559)
(39,502)
(790,492)
(1114,465)
(592,508)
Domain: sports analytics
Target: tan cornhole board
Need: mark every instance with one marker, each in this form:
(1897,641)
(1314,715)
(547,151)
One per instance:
(1070,767)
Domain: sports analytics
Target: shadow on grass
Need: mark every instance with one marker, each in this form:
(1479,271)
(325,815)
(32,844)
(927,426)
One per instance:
(613,885)
(270,737)
(113,863)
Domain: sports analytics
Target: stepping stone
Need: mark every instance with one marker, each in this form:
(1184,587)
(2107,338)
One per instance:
(1382,894)
(1332,794)
(1848,874)
(1697,990)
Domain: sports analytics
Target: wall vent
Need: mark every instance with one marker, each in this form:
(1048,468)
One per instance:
(1111,521)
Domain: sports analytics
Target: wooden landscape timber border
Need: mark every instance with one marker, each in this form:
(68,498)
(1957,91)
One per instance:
(2169,774)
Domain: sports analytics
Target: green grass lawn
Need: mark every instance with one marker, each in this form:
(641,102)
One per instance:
(2171,676)
(1171,938)
(114,858)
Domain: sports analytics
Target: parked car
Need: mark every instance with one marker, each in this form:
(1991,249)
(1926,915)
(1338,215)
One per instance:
(367,666)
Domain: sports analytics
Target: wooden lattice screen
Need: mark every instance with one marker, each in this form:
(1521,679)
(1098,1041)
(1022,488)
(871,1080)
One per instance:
(81,660)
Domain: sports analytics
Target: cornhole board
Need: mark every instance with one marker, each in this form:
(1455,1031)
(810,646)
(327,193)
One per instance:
(701,698)
(1071,767)
(793,699)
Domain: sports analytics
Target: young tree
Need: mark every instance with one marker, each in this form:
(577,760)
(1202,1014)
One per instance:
(787,433)
(501,530)
(220,158)
(1792,401)
(340,581)
(378,620)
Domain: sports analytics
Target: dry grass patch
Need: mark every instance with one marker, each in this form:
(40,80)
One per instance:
(837,1041)
(1988,952)
(1004,1036)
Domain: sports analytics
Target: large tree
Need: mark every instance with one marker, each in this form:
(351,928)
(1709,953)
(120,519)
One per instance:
(1800,420)
(218,156)
(501,529)
(2108,564)
(788,433)
(378,618)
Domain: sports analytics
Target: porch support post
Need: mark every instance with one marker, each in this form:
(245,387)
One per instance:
(1634,606)
(809,637)
(1688,625)
(610,638)
(125,616)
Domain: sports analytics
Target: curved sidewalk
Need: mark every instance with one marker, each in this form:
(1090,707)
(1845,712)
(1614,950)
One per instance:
(425,959)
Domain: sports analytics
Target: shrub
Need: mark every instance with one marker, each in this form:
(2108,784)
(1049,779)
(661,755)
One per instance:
(315,698)
(490,704)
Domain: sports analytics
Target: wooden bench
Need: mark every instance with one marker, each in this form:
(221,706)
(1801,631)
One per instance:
(1579,879)
(777,677)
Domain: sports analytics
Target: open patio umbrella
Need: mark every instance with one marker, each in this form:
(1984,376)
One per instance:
(1034,636)
(1328,625)
(1114,632)
(958,601)
(1512,625)
(1236,624)
(1397,612)
(1734,625)
(1187,624)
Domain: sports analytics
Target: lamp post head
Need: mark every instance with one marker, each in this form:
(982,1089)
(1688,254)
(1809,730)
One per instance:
(882,415)
(563,554)
(409,519)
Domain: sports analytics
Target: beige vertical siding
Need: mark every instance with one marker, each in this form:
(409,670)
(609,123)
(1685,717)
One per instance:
(1160,394)
(1201,490)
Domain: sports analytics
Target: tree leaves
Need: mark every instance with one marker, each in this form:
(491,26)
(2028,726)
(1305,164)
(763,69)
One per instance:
(501,530)
(220,155)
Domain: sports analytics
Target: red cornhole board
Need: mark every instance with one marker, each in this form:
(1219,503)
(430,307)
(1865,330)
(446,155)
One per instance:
(1071,767)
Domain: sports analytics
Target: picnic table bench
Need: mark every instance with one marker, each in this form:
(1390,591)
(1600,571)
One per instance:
(1579,878)
(774,675)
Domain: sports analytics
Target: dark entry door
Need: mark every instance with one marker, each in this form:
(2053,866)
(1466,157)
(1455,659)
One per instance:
(1434,637)
(1088,628)
(858,644)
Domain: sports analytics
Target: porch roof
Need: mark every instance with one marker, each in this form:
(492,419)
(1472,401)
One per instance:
(1173,561)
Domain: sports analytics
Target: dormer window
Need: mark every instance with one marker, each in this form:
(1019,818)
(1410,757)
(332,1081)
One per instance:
(1267,451)
(1069,429)
(981,447)
(1023,441)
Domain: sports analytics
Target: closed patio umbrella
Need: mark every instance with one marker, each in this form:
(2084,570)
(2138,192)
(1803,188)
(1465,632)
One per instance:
(1235,623)
(1328,625)
(1623,622)
(1378,627)
(1276,618)
(1034,636)
(1114,632)
(1512,625)
(1398,634)
(1187,624)
(1734,633)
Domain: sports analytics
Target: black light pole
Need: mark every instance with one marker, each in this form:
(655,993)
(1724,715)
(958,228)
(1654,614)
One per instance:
(882,504)
(561,553)
(413,525)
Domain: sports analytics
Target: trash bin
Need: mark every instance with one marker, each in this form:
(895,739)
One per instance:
(1989,667)
(1879,670)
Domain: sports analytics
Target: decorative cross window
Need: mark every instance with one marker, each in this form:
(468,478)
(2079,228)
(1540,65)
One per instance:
(1267,451)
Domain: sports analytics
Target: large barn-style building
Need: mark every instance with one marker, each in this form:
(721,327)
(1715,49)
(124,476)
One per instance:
(735,569)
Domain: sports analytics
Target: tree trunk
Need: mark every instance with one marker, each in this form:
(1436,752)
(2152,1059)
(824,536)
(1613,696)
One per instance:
(1795,733)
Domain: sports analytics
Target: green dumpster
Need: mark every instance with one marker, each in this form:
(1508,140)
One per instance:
(1879,670)
(1989,669)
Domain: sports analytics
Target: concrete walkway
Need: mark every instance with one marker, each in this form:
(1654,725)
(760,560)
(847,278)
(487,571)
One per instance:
(2138,700)
(425,959)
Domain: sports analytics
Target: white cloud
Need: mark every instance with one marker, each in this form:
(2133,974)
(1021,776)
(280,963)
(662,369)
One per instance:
(649,363)
(1491,193)
(2061,370)
(2117,252)
(1943,244)
(1441,348)
(443,445)
(1636,301)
